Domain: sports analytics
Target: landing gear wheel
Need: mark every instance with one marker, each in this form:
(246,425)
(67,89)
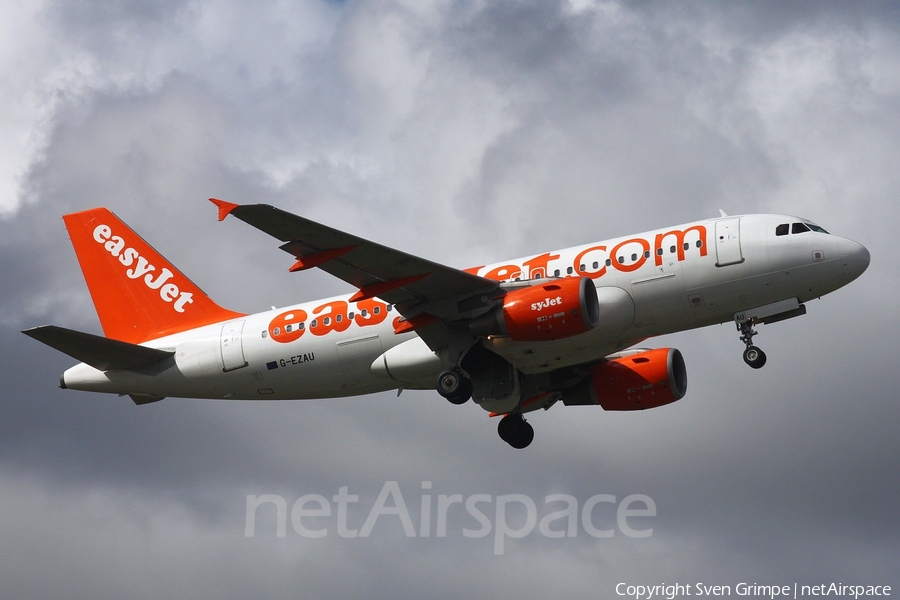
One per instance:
(453,386)
(524,436)
(506,426)
(515,431)
(754,357)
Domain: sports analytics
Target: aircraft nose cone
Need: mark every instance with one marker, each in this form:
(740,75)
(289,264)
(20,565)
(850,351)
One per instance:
(855,259)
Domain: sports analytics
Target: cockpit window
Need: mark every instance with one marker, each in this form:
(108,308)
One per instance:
(786,228)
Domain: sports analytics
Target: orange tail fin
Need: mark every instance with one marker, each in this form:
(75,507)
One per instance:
(138,294)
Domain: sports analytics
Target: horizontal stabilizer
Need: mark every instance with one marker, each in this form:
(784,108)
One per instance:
(99,352)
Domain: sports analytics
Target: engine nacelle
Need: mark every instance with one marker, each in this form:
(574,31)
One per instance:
(633,382)
(547,311)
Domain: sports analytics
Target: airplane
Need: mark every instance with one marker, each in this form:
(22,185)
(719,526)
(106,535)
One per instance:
(516,336)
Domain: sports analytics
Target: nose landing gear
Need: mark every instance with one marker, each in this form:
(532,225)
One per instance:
(753,356)
(770,313)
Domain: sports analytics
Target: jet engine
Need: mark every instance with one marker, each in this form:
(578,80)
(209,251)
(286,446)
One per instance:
(551,310)
(637,381)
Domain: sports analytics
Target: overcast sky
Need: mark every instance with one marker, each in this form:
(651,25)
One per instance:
(466,132)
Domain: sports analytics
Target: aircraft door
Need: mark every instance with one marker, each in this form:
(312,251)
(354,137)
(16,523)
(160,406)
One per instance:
(232,346)
(728,242)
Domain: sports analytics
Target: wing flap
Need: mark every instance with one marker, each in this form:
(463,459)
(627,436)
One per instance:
(99,352)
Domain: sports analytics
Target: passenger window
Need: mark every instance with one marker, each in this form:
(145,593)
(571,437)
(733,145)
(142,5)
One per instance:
(672,249)
(377,310)
(646,254)
(782,229)
(799,228)
(699,243)
(596,264)
(569,270)
(556,273)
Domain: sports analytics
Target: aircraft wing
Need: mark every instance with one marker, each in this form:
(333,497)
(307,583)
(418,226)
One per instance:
(428,295)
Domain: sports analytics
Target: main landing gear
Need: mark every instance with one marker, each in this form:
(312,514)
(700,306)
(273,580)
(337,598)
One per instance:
(457,388)
(513,428)
(515,431)
(753,356)
(454,386)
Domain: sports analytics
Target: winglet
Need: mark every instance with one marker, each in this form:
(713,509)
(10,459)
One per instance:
(225,208)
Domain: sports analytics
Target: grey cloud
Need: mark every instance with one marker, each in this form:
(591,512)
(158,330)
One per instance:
(466,133)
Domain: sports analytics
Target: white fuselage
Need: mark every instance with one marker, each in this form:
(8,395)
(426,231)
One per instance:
(672,279)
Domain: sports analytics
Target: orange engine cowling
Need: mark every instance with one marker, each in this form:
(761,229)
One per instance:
(633,382)
(548,311)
